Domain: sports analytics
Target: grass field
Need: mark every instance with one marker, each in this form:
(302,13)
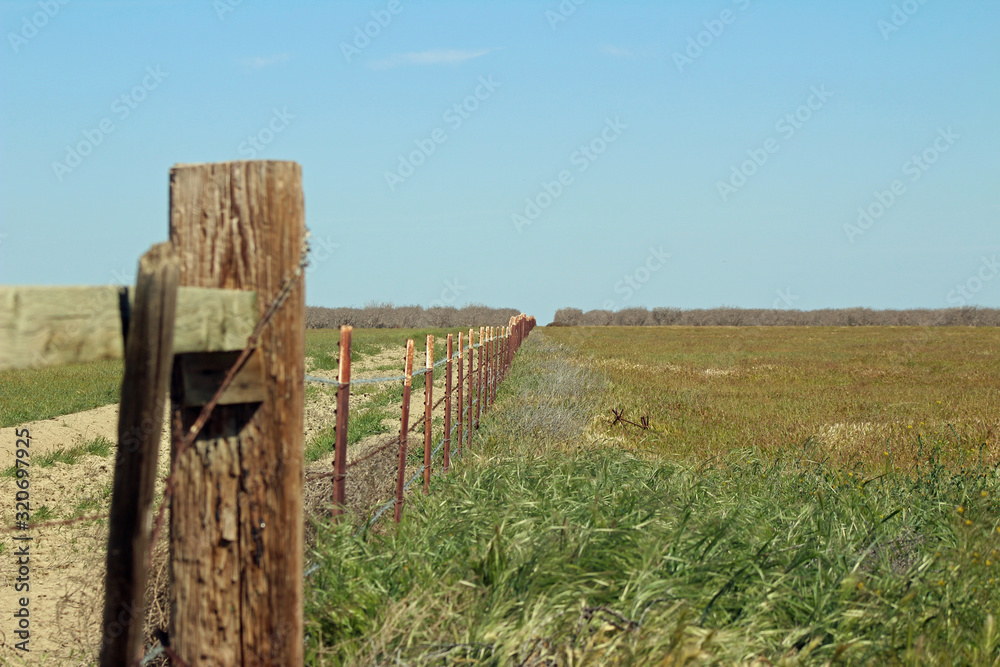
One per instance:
(874,397)
(31,395)
(560,540)
(804,497)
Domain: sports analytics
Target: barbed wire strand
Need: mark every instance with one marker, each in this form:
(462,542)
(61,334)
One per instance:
(206,412)
(394,440)
(382,380)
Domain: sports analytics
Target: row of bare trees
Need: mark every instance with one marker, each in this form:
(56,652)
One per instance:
(850,317)
(381,315)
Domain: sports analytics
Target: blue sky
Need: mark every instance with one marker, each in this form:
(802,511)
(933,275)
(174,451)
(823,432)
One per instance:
(545,154)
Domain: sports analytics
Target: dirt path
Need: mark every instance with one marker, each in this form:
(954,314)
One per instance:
(67,562)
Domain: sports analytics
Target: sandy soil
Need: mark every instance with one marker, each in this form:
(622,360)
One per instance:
(67,561)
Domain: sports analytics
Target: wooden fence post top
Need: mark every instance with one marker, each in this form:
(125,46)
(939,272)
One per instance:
(450,351)
(459,344)
(430,351)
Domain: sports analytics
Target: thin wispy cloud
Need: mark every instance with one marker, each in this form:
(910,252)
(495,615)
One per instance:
(259,62)
(434,57)
(616,51)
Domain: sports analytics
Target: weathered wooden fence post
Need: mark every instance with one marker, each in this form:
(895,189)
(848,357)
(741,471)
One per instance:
(404,430)
(447,407)
(148,356)
(343,409)
(236,521)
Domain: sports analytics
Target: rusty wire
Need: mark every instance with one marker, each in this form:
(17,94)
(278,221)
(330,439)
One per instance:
(206,412)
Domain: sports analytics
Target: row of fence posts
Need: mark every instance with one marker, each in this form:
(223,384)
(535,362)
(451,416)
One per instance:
(236,527)
(479,375)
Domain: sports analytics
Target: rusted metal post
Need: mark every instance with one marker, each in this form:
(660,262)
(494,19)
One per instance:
(447,406)
(236,513)
(508,350)
(428,408)
(508,347)
(479,378)
(496,364)
(501,340)
(461,397)
(491,370)
(343,407)
(468,420)
(501,350)
(149,355)
(487,367)
(404,427)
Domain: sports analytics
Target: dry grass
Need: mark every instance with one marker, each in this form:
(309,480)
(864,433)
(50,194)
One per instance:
(546,548)
(873,397)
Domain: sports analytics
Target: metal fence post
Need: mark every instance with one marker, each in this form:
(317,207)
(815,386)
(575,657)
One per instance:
(343,408)
(447,407)
(403,429)
(428,408)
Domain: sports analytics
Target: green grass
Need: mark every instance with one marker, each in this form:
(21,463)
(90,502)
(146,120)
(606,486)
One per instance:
(322,345)
(34,394)
(93,503)
(69,455)
(364,422)
(43,513)
(549,545)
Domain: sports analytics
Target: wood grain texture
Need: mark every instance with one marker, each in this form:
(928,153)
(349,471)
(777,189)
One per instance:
(202,374)
(147,373)
(236,515)
(52,326)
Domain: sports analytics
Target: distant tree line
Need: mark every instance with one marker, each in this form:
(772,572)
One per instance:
(375,315)
(738,317)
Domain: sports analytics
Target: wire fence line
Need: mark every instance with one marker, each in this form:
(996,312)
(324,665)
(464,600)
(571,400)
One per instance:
(481,367)
(249,411)
(397,378)
(493,363)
